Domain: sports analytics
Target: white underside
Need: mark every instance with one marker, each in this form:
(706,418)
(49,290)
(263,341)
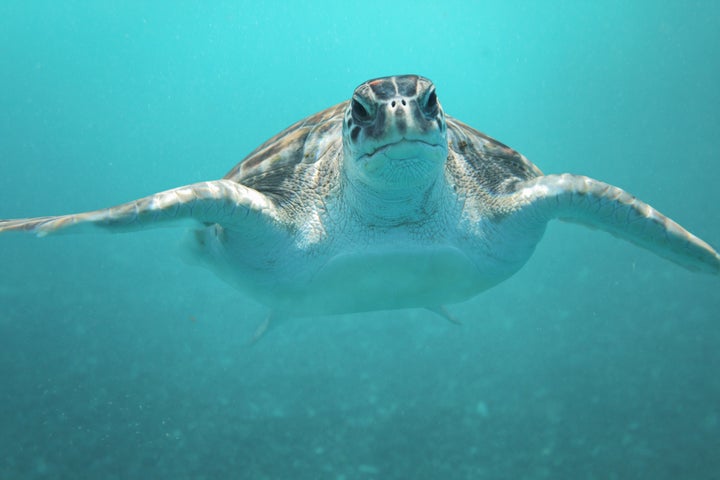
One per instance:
(393,273)
(387,280)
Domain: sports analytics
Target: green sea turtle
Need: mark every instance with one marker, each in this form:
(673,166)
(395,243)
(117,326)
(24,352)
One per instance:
(382,202)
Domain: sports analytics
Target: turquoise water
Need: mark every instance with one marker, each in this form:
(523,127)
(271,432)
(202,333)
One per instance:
(117,360)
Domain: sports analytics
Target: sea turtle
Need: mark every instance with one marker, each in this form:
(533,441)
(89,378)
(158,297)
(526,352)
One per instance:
(383,202)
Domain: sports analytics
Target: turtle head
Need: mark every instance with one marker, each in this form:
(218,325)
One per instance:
(394,133)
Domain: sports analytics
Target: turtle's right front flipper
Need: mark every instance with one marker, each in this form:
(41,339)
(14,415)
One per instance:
(223,201)
(591,202)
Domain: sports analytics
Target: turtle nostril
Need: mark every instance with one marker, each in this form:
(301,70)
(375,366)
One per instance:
(393,104)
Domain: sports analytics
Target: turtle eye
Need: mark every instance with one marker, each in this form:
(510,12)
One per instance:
(359,112)
(431,103)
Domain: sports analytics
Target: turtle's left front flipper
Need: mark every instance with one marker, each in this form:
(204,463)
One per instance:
(597,204)
(222,201)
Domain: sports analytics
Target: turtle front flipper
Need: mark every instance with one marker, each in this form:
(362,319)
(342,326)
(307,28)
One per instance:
(591,202)
(222,201)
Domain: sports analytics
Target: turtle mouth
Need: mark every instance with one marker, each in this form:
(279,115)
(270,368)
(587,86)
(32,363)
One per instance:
(403,149)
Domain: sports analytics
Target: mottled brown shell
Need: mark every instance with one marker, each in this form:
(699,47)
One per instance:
(476,162)
(272,168)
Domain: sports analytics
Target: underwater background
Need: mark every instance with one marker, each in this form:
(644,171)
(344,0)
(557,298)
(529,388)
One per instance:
(117,360)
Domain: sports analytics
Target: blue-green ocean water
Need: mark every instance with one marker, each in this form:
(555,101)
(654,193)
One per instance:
(117,360)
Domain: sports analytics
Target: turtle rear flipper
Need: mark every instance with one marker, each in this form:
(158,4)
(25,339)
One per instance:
(223,201)
(596,204)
